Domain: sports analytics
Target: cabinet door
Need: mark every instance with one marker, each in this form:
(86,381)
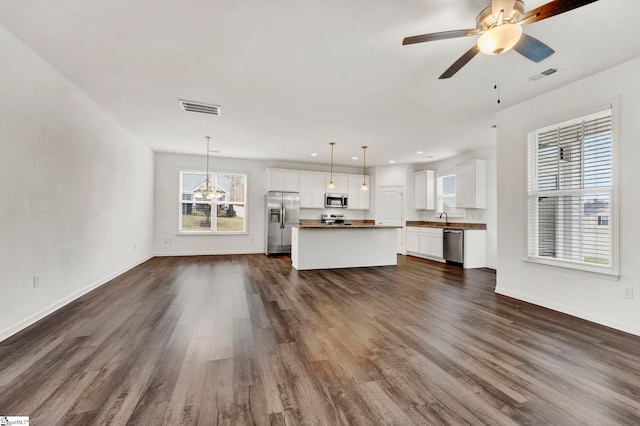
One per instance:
(413,242)
(282,180)
(424,190)
(435,245)
(471,185)
(312,188)
(358,199)
(465,186)
(291,181)
(424,244)
(420,191)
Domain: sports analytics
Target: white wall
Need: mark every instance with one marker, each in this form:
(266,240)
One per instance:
(77,190)
(587,296)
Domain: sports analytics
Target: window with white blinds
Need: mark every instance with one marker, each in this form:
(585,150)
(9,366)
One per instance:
(570,193)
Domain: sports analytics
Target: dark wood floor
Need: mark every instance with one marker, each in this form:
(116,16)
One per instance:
(249,340)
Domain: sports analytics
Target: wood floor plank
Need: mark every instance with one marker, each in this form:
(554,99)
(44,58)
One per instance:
(247,339)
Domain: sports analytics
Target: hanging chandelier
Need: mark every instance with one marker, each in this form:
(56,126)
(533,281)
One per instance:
(207,193)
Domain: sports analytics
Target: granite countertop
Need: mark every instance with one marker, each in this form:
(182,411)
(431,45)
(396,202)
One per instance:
(449,225)
(349,224)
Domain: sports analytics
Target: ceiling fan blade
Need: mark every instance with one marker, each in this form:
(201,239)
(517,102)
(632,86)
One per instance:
(457,65)
(439,36)
(498,5)
(553,8)
(533,49)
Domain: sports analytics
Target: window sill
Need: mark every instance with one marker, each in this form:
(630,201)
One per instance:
(600,272)
(207,233)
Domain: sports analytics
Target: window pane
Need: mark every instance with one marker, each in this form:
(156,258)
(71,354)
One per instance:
(192,181)
(575,227)
(448,204)
(230,218)
(231,187)
(196,217)
(449,185)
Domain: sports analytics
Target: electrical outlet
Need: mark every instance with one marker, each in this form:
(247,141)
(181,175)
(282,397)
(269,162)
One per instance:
(36,281)
(627,292)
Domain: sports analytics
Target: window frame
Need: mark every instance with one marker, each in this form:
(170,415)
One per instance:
(611,270)
(213,203)
(455,212)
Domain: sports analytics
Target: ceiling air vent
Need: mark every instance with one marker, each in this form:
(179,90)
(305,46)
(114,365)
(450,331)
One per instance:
(543,74)
(199,107)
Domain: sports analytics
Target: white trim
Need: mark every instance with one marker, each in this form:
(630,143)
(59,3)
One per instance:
(585,269)
(207,253)
(208,233)
(599,320)
(8,332)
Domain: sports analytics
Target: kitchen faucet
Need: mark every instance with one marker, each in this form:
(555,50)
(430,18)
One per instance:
(446,217)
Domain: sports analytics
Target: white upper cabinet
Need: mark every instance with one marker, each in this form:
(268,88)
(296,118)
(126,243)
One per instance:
(358,199)
(284,180)
(471,185)
(312,189)
(424,190)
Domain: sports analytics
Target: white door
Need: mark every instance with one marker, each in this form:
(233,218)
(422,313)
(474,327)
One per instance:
(389,210)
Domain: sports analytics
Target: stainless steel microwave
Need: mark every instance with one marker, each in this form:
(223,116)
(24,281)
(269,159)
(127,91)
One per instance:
(335,200)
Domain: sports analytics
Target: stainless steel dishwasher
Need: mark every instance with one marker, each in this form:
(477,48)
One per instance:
(454,245)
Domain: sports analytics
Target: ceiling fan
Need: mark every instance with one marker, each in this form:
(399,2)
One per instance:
(500,30)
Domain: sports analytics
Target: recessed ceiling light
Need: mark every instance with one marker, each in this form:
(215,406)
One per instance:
(314,154)
(354,158)
(419,152)
(392,161)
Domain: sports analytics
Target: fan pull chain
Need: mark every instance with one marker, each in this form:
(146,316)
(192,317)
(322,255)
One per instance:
(496,85)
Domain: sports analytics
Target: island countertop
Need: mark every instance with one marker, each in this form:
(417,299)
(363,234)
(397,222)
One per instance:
(349,224)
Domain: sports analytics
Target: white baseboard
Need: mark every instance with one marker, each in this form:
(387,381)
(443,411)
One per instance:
(205,253)
(424,256)
(627,328)
(4,334)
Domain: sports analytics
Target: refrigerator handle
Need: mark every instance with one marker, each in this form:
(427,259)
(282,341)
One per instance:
(284,212)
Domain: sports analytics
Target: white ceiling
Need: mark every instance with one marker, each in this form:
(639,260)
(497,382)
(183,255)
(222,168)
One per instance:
(291,76)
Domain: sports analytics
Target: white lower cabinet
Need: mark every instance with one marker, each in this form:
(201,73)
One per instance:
(425,242)
(413,239)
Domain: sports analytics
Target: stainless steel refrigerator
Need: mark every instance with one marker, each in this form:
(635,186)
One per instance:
(283,211)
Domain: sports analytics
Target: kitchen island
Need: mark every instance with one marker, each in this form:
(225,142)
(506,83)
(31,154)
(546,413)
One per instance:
(316,245)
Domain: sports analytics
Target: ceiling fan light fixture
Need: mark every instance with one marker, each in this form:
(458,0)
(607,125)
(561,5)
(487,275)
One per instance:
(499,39)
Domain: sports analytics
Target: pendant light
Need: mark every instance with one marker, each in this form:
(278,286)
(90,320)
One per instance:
(364,186)
(331,184)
